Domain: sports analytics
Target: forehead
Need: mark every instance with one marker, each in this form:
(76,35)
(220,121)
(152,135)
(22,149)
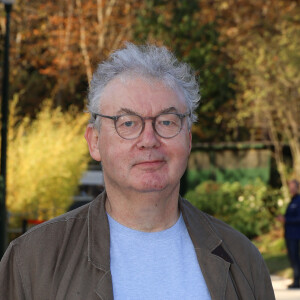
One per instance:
(142,95)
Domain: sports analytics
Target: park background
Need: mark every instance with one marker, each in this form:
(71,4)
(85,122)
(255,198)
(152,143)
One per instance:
(246,143)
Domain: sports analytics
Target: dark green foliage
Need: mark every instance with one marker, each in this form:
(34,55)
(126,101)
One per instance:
(178,25)
(242,175)
(249,209)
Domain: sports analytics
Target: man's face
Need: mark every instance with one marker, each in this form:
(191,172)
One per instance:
(148,163)
(293,189)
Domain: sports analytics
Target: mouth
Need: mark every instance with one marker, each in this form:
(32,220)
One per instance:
(150,164)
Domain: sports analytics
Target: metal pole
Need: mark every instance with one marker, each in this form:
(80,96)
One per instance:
(4,111)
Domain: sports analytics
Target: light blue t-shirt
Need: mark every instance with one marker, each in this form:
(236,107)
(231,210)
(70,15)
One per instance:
(159,265)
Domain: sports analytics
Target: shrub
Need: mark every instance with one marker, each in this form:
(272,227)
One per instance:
(249,209)
(46,158)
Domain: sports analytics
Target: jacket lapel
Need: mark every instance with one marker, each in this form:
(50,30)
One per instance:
(104,288)
(99,246)
(215,271)
(213,259)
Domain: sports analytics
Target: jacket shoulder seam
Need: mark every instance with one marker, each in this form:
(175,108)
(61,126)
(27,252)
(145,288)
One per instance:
(49,223)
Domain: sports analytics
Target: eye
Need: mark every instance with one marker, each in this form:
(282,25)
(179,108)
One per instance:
(128,124)
(166,123)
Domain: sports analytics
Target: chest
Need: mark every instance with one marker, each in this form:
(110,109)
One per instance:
(156,269)
(293,209)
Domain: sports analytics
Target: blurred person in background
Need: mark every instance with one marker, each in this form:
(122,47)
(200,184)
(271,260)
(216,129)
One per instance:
(292,231)
(139,239)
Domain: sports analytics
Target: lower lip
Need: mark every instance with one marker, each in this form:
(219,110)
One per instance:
(150,164)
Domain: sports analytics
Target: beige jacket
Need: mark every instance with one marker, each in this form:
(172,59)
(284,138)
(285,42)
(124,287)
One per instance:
(68,258)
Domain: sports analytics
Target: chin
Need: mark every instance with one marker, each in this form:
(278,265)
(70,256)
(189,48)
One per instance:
(152,190)
(150,186)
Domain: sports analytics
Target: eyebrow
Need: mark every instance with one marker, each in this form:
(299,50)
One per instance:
(163,111)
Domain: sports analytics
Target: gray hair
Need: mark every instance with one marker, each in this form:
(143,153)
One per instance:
(148,61)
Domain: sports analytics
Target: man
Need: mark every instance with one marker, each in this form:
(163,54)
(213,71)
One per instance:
(292,231)
(139,239)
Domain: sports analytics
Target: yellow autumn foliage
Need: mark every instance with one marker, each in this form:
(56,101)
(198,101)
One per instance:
(269,93)
(46,158)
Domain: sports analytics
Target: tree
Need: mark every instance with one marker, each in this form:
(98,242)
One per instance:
(269,95)
(210,35)
(180,26)
(56,45)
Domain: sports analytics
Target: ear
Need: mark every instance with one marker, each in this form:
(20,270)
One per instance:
(92,137)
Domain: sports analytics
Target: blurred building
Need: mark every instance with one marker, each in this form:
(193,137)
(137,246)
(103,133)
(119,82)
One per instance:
(229,162)
(90,186)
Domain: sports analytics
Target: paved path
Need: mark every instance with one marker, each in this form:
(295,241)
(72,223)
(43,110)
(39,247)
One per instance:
(281,292)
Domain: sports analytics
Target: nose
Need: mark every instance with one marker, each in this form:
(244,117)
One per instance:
(148,138)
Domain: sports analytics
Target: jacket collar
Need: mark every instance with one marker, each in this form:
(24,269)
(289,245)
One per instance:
(98,234)
(201,230)
(212,257)
(99,246)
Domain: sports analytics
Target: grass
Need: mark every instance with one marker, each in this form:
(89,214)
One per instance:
(273,250)
(278,265)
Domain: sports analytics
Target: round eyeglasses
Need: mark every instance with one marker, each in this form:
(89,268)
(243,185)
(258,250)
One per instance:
(130,126)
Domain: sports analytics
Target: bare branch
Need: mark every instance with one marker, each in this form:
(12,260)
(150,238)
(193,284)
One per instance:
(83,46)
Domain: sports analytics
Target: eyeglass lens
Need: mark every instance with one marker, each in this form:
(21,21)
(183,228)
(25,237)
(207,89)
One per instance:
(131,126)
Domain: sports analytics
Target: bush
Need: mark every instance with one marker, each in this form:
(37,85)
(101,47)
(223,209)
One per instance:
(46,158)
(249,209)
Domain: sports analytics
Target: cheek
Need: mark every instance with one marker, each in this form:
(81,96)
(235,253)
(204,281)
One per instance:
(179,154)
(182,146)
(114,154)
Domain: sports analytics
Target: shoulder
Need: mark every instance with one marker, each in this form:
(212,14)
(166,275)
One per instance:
(218,239)
(52,233)
(46,247)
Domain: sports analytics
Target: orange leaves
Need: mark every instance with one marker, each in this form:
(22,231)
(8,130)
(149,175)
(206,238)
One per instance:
(65,39)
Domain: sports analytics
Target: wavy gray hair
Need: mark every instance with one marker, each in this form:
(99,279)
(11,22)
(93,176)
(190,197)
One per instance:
(151,62)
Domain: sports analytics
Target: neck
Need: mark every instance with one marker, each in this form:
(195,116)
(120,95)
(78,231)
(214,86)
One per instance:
(149,212)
